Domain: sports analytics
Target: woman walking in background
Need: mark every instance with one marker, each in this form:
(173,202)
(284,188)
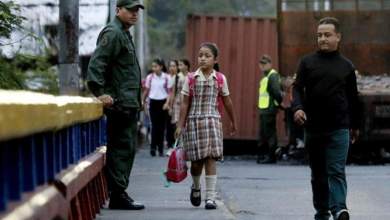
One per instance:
(173,66)
(156,90)
(175,96)
(200,121)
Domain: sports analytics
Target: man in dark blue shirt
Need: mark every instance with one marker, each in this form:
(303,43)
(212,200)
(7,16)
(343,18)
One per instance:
(326,104)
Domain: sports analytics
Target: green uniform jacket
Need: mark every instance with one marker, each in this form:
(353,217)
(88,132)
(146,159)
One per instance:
(275,93)
(114,69)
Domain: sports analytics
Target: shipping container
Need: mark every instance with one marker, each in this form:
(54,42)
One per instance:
(241,41)
(365,38)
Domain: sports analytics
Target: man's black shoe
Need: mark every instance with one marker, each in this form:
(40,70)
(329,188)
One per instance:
(259,158)
(268,160)
(195,197)
(123,202)
(153,153)
(342,215)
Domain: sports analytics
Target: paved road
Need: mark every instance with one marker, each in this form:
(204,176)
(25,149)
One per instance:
(251,191)
(277,192)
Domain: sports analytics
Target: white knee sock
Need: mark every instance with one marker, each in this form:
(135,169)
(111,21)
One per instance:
(211,182)
(196,181)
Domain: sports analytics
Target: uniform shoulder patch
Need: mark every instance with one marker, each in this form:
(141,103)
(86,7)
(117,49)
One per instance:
(104,41)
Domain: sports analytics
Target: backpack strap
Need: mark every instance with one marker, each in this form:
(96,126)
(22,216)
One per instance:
(149,79)
(220,83)
(176,82)
(166,83)
(191,83)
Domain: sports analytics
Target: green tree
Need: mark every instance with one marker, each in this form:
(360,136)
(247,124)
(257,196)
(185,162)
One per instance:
(34,73)
(9,19)
(23,71)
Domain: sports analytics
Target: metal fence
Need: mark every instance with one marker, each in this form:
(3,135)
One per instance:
(43,139)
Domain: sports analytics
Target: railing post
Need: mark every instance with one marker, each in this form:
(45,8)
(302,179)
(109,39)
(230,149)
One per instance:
(48,141)
(29,164)
(84,141)
(58,149)
(89,141)
(3,180)
(14,170)
(41,158)
(71,146)
(65,148)
(77,134)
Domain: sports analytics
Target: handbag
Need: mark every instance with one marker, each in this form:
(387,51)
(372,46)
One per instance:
(177,166)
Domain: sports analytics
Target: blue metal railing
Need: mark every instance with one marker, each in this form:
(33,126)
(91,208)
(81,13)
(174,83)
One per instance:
(26,163)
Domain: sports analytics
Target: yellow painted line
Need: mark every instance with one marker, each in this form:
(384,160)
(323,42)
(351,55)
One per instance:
(23,113)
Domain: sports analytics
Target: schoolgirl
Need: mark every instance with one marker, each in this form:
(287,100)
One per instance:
(177,85)
(173,70)
(156,90)
(200,125)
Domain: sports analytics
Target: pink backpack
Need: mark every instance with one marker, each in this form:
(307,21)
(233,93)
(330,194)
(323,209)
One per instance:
(192,81)
(177,166)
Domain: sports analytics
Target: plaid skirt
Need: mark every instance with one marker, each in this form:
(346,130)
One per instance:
(176,109)
(203,138)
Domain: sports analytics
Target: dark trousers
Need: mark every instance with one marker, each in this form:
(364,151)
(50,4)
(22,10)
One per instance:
(267,136)
(328,156)
(121,144)
(170,134)
(158,117)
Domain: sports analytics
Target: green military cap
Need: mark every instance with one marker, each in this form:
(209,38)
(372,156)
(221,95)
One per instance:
(265,59)
(129,4)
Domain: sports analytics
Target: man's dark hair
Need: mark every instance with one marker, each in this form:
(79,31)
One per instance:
(331,20)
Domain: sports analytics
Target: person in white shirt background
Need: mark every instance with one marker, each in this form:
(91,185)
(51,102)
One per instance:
(157,91)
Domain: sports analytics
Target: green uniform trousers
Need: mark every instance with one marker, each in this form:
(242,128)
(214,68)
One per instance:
(121,144)
(267,135)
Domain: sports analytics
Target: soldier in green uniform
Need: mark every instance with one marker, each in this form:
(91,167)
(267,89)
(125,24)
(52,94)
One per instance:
(114,77)
(270,98)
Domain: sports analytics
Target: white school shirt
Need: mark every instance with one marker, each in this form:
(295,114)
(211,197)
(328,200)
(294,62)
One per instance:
(157,86)
(186,87)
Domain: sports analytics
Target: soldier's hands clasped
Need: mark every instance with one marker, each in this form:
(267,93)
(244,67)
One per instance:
(107,100)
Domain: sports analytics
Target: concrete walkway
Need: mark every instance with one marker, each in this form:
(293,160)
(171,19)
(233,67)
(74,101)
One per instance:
(162,203)
(250,191)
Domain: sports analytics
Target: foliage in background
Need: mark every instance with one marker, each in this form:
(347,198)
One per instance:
(9,18)
(167,20)
(34,73)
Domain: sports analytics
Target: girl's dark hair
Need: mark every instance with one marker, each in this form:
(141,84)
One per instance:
(186,62)
(160,62)
(176,62)
(214,50)
(177,75)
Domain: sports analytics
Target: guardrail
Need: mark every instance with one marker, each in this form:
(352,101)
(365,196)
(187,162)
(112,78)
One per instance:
(51,156)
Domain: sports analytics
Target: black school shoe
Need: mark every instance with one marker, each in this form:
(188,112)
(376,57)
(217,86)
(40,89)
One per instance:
(342,215)
(195,197)
(122,201)
(210,204)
